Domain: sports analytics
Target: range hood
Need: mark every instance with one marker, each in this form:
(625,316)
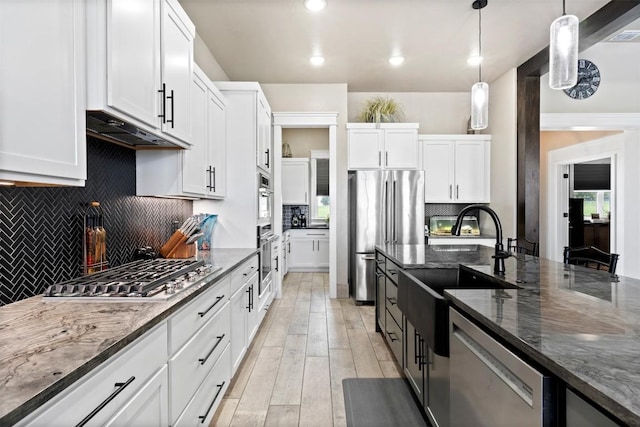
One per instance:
(116,129)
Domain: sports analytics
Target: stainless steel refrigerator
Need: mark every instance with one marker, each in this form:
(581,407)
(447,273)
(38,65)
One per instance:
(385,207)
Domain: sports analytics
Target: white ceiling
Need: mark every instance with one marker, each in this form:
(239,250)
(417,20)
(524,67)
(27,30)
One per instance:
(270,41)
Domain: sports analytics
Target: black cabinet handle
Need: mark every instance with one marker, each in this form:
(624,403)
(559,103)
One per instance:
(277,264)
(267,153)
(392,300)
(391,338)
(423,356)
(214,179)
(251,297)
(218,299)
(163,91)
(204,417)
(393,271)
(289,247)
(210,186)
(416,350)
(220,338)
(172,121)
(248,291)
(121,386)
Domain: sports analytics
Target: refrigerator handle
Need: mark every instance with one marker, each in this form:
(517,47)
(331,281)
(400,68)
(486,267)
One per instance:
(395,216)
(386,212)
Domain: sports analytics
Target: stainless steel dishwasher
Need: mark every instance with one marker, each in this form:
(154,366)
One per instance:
(491,386)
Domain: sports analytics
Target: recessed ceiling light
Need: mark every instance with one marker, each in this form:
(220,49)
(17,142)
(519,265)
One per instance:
(315,5)
(316,60)
(474,60)
(396,60)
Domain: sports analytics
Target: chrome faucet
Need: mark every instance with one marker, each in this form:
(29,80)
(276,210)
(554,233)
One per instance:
(500,255)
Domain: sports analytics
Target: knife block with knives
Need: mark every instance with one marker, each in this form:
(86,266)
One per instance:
(181,244)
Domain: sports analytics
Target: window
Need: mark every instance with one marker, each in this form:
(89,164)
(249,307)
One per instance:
(319,187)
(595,202)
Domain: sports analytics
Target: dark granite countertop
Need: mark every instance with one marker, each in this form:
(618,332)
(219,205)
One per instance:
(437,256)
(581,325)
(48,345)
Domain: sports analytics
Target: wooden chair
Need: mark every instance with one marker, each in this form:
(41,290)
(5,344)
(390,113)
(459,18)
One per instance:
(522,246)
(591,257)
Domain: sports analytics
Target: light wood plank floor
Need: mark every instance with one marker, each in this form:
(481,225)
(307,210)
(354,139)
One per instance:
(307,344)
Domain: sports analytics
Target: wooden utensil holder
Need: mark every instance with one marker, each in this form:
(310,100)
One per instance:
(182,250)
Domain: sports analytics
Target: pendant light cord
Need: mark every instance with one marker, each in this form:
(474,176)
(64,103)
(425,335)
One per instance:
(480,43)
(564,12)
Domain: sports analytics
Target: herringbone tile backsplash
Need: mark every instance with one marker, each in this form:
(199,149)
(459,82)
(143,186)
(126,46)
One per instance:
(41,228)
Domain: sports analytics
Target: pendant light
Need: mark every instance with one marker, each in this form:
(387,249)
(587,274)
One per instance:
(563,51)
(480,90)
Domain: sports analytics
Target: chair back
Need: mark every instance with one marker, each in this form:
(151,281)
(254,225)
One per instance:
(591,257)
(522,246)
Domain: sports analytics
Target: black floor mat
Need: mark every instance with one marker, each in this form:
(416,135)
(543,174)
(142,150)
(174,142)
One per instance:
(382,402)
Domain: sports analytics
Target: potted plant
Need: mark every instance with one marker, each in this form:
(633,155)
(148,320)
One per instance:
(381,110)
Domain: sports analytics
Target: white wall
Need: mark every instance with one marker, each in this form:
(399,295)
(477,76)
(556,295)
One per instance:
(436,112)
(322,98)
(619,91)
(503,130)
(302,141)
(207,62)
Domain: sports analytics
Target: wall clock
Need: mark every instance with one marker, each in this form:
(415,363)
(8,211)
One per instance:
(588,80)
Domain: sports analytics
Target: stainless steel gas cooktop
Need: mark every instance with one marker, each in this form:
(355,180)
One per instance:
(150,280)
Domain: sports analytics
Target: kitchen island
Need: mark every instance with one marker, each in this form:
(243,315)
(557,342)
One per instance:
(580,325)
(49,345)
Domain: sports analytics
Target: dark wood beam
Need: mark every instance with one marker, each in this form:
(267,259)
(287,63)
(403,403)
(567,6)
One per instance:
(610,18)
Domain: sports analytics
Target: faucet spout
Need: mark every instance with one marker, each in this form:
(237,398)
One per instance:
(500,255)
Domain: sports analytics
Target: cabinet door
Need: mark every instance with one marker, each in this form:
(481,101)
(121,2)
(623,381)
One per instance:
(42,70)
(302,252)
(177,60)
(471,175)
(217,139)
(365,148)
(264,151)
(401,149)
(252,300)
(322,253)
(438,171)
(381,298)
(238,327)
(295,183)
(413,364)
(194,170)
(133,58)
(149,406)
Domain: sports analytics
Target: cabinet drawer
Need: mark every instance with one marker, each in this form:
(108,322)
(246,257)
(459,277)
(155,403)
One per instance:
(130,369)
(189,367)
(191,317)
(311,233)
(240,275)
(391,270)
(380,261)
(393,335)
(209,395)
(391,302)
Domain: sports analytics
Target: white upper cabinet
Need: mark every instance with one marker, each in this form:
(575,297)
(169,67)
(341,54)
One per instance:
(457,168)
(264,155)
(43,92)
(140,56)
(383,146)
(295,181)
(201,171)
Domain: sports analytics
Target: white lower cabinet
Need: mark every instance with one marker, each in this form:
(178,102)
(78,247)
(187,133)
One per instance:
(308,250)
(244,288)
(149,406)
(110,388)
(207,398)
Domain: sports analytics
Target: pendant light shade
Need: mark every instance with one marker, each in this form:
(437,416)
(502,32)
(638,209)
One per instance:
(480,90)
(563,52)
(479,106)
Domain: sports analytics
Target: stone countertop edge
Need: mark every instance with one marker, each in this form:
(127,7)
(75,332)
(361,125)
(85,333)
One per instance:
(605,401)
(15,318)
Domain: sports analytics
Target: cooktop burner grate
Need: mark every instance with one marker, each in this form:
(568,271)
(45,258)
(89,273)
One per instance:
(136,279)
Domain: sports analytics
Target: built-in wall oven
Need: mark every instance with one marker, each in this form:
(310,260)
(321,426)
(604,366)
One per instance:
(265,237)
(264,199)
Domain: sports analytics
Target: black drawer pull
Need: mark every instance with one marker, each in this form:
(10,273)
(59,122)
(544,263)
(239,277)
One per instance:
(391,338)
(203,361)
(392,300)
(204,417)
(121,386)
(392,271)
(163,91)
(203,313)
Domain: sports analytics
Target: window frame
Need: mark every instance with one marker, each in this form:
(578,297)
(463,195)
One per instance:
(313,202)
